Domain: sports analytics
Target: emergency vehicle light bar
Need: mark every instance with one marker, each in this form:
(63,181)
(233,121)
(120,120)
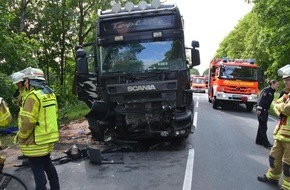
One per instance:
(226,60)
(130,8)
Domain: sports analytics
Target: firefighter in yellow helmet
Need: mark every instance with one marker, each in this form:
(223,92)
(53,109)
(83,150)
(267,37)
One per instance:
(5,115)
(38,128)
(279,158)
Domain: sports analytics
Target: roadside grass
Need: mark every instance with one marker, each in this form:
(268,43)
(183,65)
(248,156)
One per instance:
(71,113)
(65,116)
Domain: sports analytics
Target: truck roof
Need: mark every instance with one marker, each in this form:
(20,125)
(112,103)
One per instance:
(141,8)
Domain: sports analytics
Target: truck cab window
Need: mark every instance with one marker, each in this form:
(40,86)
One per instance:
(141,57)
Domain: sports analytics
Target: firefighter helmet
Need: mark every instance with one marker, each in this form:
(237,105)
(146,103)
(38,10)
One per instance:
(17,77)
(284,71)
(33,73)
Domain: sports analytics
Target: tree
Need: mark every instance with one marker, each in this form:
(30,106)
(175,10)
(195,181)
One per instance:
(274,19)
(194,71)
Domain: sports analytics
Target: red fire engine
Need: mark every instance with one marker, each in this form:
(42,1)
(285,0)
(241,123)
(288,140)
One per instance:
(233,81)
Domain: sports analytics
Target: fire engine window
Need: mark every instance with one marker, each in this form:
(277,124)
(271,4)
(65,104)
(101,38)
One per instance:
(237,72)
(198,80)
(228,72)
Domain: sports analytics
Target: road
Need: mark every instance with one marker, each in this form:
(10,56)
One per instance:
(220,155)
(226,156)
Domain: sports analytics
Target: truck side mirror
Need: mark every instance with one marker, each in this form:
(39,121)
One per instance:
(82,63)
(194,44)
(195,59)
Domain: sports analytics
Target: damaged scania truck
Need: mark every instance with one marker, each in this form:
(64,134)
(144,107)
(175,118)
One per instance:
(135,77)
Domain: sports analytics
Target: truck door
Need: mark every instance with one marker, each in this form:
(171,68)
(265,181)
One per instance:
(86,77)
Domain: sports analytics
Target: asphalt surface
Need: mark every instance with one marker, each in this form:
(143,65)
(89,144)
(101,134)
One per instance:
(115,165)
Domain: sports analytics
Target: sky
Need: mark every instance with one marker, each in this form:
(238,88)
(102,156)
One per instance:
(209,22)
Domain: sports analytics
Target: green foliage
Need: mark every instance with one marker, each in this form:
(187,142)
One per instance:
(72,112)
(7,90)
(206,72)
(194,71)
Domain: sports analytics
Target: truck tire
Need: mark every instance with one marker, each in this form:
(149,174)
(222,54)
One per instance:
(96,129)
(215,103)
(249,107)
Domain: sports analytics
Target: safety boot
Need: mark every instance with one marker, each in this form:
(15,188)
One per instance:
(267,180)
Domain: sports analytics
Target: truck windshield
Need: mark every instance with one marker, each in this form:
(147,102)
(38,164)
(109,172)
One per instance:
(142,57)
(237,72)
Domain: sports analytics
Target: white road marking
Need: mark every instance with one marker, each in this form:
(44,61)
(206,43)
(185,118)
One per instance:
(273,118)
(187,182)
(195,120)
(197,104)
(188,171)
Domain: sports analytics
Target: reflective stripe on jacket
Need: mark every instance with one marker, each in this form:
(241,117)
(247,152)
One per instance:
(5,115)
(38,127)
(282,109)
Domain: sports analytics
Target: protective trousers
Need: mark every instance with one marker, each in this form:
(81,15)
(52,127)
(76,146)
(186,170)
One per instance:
(261,137)
(280,159)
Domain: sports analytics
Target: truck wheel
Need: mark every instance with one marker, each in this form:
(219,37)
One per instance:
(97,130)
(214,103)
(249,107)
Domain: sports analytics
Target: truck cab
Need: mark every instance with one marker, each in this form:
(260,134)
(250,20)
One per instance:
(135,76)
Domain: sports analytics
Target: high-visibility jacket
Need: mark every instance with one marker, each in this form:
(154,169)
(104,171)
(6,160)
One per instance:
(5,115)
(22,95)
(282,109)
(38,127)
(23,92)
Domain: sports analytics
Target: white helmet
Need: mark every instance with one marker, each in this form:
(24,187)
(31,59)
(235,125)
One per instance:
(17,77)
(33,73)
(284,71)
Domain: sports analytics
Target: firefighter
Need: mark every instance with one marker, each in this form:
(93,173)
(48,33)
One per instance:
(263,105)
(5,115)
(17,79)
(279,158)
(38,128)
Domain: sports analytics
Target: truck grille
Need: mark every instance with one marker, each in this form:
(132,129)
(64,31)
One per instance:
(240,90)
(145,97)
